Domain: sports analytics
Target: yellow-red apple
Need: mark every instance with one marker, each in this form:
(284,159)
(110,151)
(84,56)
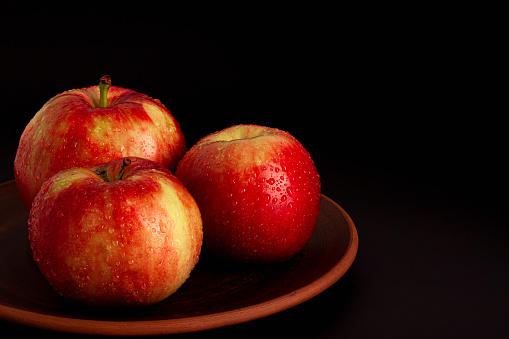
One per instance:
(90,126)
(258,191)
(124,233)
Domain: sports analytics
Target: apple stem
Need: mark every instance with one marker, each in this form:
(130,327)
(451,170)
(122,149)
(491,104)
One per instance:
(126,162)
(104,85)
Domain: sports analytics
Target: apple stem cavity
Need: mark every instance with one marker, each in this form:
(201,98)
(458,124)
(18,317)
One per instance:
(104,85)
(126,162)
(102,173)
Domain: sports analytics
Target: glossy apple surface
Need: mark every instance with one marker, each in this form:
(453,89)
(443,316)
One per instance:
(258,191)
(71,130)
(110,242)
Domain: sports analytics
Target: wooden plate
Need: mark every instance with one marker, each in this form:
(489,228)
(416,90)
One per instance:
(216,294)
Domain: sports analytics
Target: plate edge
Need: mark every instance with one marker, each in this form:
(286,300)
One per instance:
(186,325)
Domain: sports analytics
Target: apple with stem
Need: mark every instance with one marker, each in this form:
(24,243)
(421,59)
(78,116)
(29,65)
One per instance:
(90,126)
(123,233)
(258,191)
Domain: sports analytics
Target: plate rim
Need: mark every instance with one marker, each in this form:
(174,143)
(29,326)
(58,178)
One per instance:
(197,323)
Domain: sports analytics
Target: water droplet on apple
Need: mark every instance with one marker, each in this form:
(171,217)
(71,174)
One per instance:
(234,203)
(152,220)
(274,200)
(289,191)
(290,206)
(60,214)
(266,198)
(111,230)
(271,181)
(283,198)
(162,227)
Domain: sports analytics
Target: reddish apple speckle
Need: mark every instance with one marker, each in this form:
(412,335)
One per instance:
(110,242)
(258,191)
(70,130)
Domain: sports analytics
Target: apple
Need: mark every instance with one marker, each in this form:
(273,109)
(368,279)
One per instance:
(90,126)
(258,191)
(123,233)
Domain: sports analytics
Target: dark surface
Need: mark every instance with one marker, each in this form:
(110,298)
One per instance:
(398,112)
(217,294)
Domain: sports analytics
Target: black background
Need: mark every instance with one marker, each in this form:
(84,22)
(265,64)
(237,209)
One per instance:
(397,106)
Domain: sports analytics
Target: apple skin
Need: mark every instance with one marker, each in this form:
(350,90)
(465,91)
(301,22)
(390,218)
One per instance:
(258,191)
(128,242)
(70,130)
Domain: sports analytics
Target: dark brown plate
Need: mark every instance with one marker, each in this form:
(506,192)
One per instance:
(216,294)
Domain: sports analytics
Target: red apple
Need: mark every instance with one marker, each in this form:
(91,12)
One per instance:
(115,234)
(90,126)
(258,191)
